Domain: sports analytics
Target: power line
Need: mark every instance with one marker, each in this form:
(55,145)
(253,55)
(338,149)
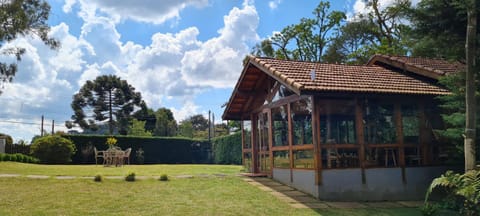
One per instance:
(28,123)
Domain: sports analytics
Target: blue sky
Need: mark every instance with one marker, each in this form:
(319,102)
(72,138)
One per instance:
(185,55)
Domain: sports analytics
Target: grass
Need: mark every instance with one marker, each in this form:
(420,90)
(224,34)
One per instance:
(228,195)
(92,170)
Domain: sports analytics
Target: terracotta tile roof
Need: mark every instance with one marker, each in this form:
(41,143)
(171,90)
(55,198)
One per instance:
(432,68)
(345,78)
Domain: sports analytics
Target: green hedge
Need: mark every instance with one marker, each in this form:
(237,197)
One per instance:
(228,149)
(164,150)
(18,158)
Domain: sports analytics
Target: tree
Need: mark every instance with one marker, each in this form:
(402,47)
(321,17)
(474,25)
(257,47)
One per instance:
(138,129)
(199,123)
(21,18)
(470,53)
(439,29)
(165,124)
(148,116)
(107,98)
(306,40)
(383,30)
(185,129)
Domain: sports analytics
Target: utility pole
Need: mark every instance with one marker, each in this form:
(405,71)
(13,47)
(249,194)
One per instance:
(470,49)
(53,127)
(41,128)
(209,123)
(213,125)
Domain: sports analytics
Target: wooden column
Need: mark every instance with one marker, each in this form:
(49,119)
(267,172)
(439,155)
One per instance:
(254,143)
(317,158)
(270,140)
(397,112)
(290,139)
(359,129)
(423,134)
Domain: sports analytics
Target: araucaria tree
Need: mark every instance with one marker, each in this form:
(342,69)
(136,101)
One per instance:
(21,18)
(107,99)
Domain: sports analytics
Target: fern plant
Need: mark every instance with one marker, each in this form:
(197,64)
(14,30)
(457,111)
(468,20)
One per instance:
(464,186)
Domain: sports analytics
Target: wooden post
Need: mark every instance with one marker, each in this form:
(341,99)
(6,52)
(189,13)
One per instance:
(270,140)
(290,139)
(317,158)
(397,112)
(254,143)
(359,128)
(424,142)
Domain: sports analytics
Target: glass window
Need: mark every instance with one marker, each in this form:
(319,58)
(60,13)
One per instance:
(247,162)
(337,122)
(303,159)
(280,126)
(410,124)
(340,158)
(381,157)
(379,123)
(247,134)
(302,122)
(263,132)
(281,159)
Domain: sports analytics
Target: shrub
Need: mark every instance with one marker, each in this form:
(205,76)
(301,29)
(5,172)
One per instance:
(462,189)
(53,149)
(98,178)
(18,158)
(163,177)
(228,149)
(130,177)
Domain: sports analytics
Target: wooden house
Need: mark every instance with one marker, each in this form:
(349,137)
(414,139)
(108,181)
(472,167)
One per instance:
(343,132)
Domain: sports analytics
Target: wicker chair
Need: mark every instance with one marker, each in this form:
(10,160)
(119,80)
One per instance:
(98,154)
(126,156)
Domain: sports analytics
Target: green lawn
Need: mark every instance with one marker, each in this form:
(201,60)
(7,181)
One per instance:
(211,195)
(92,170)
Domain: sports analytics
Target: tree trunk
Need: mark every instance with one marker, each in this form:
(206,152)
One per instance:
(470,47)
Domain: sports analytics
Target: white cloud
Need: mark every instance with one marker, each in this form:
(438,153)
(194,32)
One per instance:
(149,11)
(174,67)
(274,4)
(186,111)
(218,61)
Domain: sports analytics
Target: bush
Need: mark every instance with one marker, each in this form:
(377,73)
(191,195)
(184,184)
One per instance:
(18,158)
(228,149)
(463,190)
(163,177)
(98,178)
(53,149)
(130,177)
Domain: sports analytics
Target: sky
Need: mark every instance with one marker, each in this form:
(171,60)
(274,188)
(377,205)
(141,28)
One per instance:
(185,55)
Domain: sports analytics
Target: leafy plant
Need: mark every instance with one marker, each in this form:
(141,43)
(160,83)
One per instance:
(463,189)
(18,158)
(53,149)
(163,177)
(111,141)
(98,178)
(130,177)
(429,209)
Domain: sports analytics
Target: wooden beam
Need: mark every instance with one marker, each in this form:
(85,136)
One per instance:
(254,143)
(423,134)
(290,139)
(397,112)
(270,140)
(317,158)
(359,130)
